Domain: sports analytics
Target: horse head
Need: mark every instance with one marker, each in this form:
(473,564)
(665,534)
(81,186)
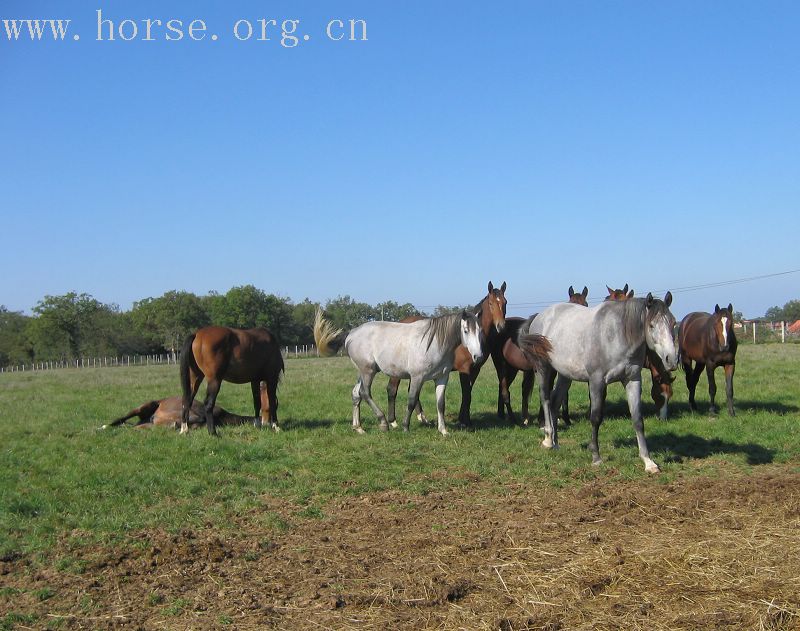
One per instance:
(578,299)
(472,335)
(618,295)
(723,326)
(493,308)
(659,330)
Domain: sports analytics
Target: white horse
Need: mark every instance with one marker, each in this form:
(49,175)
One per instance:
(602,345)
(419,351)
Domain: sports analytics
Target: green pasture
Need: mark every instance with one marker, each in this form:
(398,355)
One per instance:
(61,477)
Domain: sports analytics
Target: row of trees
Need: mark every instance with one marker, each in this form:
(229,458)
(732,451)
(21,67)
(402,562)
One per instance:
(790,312)
(78,325)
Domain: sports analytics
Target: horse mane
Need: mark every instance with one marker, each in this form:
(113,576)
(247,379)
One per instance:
(635,315)
(444,329)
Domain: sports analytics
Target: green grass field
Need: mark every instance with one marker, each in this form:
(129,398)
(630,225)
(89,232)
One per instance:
(60,476)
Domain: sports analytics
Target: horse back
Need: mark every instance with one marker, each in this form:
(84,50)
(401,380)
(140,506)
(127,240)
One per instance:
(237,355)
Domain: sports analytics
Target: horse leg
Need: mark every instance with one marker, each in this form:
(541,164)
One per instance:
(558,396)
(500,368)
(212,390)
(504,394)
(464,421)
(634,391)
(729,370)
(420,412)
(272,402)
(441,386)
(357,407)
(255,388)
(550,426)
(527,388)
(366,394)
(196,380)
(712,389)
(565,410)
(692,377)
(391,399)
(597,399)
(414,387)
(553,375)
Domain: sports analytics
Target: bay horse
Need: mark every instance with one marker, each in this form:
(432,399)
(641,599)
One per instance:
(708,340)
(420,351)
(491,311)
(219,353)
(661,389)
(168,413)
(508,359)
(601,345)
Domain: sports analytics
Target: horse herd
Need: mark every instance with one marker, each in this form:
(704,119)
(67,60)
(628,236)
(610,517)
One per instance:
(607,343)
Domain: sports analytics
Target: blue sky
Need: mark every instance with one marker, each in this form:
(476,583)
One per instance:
(546,144)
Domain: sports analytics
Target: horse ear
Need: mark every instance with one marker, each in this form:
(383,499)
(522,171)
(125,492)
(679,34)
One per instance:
(625,289)
(730,307)
(630,294)
(503,288)
(491,287)
(716,308)
(571,291)
(610,291)
(668,299)
(585,291)
(649,300)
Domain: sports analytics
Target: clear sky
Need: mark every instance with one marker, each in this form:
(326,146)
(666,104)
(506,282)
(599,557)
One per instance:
(546,144)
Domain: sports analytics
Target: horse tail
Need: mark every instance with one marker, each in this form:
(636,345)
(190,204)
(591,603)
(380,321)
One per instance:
(327,338)
(187,364)
(536,348)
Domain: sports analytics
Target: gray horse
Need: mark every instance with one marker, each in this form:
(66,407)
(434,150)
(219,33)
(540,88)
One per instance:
(419,351)
(601,345)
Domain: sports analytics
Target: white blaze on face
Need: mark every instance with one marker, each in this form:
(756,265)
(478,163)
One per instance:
(724,331)
(471,338)
(664,344)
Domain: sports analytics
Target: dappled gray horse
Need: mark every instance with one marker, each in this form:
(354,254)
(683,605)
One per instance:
(419,351)
(601,345)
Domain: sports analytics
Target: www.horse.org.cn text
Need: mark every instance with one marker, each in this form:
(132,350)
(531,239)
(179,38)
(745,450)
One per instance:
(288,32)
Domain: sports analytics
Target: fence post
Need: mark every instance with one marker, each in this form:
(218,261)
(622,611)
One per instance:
(754,331)
(783,331)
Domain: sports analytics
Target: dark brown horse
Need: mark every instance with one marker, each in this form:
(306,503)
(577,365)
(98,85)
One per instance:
(509,359)
(218,354)
(661,390)
(168,412)
(491,312)
(708,339)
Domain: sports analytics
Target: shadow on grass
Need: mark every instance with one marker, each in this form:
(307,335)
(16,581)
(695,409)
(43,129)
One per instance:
(694,446)
(772,407)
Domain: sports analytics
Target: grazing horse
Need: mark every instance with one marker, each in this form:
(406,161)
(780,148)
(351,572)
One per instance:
(661,390)
(709,340)
(508,359)
(219,353)
(601,345)
(420,351)
(168,412)
(492,314)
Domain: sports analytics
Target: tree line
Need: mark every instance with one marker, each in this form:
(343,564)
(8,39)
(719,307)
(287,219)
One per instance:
(76,325)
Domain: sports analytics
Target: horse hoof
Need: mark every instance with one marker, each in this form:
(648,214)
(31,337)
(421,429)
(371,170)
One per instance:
(444,432)
(384,427)
(547,443)
(713,411)
(359,430)
(597,463)
(103,427)
(275,428)
(652,468)
(394,425)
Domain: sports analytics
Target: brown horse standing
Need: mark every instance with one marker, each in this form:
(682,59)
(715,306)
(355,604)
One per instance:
(661,391)
(708,339)
(218,354)
(509,358)
(492,314)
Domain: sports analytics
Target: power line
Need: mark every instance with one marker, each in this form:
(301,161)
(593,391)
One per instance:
(677,290)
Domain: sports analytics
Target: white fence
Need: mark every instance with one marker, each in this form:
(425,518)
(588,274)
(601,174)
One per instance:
(300,350)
